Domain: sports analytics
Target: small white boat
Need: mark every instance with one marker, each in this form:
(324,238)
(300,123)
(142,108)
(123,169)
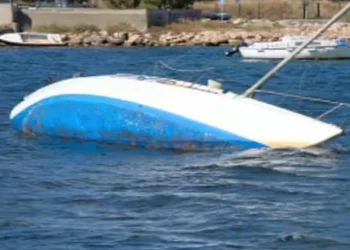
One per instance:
(32,39)
(319,49)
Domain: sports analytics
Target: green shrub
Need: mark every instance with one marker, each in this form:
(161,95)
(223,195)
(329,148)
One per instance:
(119,4)
(171,4)
(52,28)
(80,28)
(120,27)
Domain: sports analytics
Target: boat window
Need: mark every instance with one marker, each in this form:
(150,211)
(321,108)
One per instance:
(313,43)
(33,36)
(166,81)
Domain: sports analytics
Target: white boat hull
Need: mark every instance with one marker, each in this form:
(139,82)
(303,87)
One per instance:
(341,52)
(32,39)
(154,112)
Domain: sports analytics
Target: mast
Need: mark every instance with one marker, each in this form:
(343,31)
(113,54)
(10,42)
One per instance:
(249,92)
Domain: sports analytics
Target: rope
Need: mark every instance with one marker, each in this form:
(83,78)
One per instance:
(329,111)
(303,97)
(183,70)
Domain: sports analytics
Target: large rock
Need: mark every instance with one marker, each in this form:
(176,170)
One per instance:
(249,36)
(134,40)
(238,21)
(259,38)
(182,38)
(123,35)
(103,33)
(233,42)
(86,41)
(86,33)
(218,40)
(148,36)
(65,37)
(98,40)
(75,40)
(149,42)
(116,41)
(167,37)
(94,40)
(261,22)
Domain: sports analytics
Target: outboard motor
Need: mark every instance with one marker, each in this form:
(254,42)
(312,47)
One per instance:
(236,49)
(342,43)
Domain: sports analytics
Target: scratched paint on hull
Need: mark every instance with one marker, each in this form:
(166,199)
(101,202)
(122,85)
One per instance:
(110,120)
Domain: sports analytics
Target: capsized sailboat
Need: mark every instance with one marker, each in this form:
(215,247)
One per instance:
(149,111)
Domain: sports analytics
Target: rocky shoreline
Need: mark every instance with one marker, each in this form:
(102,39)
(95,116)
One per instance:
(100,39)
(252,30)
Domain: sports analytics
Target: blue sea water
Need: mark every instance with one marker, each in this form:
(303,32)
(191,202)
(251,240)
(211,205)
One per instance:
(60,194)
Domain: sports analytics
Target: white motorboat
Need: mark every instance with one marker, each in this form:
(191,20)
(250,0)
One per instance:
(319,49)
(148,111)
(32,39)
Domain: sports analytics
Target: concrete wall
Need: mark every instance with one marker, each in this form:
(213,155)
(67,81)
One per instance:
(163,17)
(6,14)
(141,19)
(74,16)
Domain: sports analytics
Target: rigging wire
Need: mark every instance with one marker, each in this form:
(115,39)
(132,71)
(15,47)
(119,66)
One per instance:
(183,70)
(303,97)
(161,64)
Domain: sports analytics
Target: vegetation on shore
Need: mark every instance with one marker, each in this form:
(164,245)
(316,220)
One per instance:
(126,4)
(271,9)
(248,9)
(274,9)
(179,27)
(81,28)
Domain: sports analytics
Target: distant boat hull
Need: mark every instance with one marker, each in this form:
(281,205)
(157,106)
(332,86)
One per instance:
(32,39)
(162,113)
(34,44)
(320,49)
(307,54)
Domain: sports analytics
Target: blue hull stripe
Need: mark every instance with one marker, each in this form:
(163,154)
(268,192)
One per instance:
(110,120)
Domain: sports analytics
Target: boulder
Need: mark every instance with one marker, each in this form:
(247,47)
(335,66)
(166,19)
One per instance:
(218,40)
(65,37)
(134,39)
(87,40)
(75,40)
(233,42)
(96,40)
(238,21)
(116,41)
(103,33)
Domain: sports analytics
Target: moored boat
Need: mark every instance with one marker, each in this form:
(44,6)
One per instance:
(32,39)
(320,48)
